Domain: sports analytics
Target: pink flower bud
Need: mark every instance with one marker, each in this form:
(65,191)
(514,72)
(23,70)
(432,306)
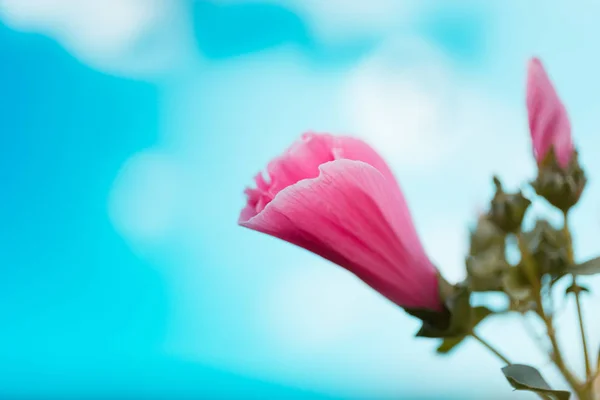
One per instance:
(336,197)
(548,119)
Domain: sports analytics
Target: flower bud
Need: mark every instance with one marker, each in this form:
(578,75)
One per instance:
(485,270)
(547,246)
(486,235)
(508,209)
(561,187)
(486,263)
(549,123)
(336,197)
(518,287)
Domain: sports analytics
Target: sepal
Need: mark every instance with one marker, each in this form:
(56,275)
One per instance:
(548,248)
(455,317)
(560,187)
(508,209)
(485,271)
(450,343)
(485,236)
(486,262)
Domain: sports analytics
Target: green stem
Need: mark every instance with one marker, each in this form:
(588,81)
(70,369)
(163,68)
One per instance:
(556,356)
(571,259)
(491,348)
(497,353)
(588,365)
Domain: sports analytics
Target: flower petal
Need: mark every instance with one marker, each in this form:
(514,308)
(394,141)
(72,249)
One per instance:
(351,215)
(300,161)
(548,119)
(355,149)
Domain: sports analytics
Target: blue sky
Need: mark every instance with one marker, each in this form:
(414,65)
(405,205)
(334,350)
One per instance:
(130,129)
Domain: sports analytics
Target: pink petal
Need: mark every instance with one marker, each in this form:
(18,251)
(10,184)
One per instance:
(351,215)
(300,161)
(355,149)
(548,119)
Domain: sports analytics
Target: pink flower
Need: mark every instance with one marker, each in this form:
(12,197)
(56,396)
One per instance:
(548,120)
(336,197)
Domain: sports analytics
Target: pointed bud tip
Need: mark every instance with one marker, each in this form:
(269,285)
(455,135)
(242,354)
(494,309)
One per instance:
(535,71)
(535,62)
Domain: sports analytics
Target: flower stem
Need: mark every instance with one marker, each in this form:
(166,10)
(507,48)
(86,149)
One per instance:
(556,355)
(491,348)
(588,366)
(571,259)
(497,353)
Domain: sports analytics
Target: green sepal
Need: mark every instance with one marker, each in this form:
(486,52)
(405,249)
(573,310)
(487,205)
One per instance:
(455,317)
(448,344)
(507,210)
(485,270)
(561,187)
(486,235)
(525,377)
(547,247)
(433,321)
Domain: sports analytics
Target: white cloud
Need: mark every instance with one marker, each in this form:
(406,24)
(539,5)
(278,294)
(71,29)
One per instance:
(409,102)
(130,37)
(405,100)
(145,201)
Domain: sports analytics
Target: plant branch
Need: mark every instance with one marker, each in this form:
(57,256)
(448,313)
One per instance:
(571,259)
(497,353)
(491,348)
(586,354)
(589,385)
(556,356)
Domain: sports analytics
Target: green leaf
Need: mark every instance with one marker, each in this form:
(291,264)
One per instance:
(590,267)
(524,377)
(448,344)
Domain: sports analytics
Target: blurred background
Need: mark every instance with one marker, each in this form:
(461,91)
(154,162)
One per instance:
(129,129)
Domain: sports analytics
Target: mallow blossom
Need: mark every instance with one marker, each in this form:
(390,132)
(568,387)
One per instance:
(548,119)
(336,197)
